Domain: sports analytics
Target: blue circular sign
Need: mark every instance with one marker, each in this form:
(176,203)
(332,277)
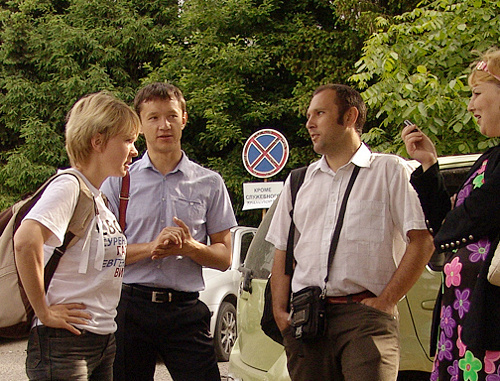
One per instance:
(265,153)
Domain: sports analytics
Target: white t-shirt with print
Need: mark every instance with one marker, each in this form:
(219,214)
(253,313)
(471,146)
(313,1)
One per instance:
(79,277)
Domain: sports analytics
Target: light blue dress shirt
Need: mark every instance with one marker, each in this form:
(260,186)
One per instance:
(196,195)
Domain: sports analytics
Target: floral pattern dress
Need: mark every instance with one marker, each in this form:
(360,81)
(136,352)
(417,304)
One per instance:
(453,360)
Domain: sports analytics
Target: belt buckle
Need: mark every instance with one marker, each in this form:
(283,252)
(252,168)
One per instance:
(155,296)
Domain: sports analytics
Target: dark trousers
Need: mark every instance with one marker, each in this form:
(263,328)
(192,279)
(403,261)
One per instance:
(57,354)
(361,344)
(178,332)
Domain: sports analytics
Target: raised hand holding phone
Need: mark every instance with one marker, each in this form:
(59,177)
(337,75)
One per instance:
(410,123)
(419,146)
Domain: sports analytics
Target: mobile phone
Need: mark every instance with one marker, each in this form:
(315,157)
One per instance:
(410,123)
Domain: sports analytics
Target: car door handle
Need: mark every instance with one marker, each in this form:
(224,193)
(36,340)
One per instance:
(428,305)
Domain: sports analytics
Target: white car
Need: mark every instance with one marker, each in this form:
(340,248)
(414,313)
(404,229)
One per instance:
(221,290)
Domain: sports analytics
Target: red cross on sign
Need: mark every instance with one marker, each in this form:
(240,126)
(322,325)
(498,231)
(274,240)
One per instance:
(265,153)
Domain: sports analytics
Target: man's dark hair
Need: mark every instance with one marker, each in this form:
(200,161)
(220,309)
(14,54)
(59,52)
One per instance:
(158,90)
(346,98)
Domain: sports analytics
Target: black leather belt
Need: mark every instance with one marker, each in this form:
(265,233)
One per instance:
(159,295)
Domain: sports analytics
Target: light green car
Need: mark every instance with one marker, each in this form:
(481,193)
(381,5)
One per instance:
(257,357)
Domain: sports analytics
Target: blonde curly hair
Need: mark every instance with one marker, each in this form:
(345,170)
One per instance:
(486,70)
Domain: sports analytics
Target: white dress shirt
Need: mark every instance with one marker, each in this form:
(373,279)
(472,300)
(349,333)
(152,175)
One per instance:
(381,209)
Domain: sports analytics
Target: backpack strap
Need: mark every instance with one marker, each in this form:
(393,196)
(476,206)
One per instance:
(51,266)
(296,179)
(124,197)
(83,214)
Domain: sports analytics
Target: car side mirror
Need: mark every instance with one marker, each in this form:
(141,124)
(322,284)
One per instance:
(247,279)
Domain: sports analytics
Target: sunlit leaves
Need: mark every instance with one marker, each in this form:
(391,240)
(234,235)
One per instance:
(51,54)
(427,83)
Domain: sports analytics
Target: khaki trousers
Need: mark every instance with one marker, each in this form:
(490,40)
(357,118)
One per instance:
(361,344)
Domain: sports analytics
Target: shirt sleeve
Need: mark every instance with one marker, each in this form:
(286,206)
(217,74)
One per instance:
(433,195)
(220,214)
(56,207)
(405,205)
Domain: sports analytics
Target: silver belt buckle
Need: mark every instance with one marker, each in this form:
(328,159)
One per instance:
(155,299)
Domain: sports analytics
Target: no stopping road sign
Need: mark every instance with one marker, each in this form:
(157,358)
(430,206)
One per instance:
(265,153)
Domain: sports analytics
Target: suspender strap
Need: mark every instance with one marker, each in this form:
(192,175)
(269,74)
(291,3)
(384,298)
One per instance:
(340,222)
(124,197)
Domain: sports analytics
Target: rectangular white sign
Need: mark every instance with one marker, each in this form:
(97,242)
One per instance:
(260,195)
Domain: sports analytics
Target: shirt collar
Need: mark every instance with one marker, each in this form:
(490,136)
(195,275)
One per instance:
(145,162)
(361,158)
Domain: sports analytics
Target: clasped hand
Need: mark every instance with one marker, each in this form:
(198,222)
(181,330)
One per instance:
(173,240)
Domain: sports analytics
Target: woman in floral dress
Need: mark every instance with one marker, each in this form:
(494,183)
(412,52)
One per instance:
(466,325)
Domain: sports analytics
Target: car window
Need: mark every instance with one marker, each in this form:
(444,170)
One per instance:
(246,240)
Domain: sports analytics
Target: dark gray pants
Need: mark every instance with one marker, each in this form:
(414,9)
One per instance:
(57,354)
(361,344)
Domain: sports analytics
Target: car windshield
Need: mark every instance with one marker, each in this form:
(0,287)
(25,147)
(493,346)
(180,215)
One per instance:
(261,253)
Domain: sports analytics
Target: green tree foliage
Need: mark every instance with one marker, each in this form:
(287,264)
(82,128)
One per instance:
(245,65)
(416,67)
(51,54)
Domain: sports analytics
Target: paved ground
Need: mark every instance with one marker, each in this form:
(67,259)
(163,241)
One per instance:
(13,357)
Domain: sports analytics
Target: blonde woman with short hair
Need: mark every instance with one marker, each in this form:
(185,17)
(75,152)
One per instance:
(72,336)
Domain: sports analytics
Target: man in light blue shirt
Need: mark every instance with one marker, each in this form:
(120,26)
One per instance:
(174,205)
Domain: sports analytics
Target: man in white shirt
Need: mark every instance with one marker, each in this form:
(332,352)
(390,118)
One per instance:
(382,249)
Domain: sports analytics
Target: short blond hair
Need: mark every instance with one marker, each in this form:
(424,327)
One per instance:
(98,113)
(492,59)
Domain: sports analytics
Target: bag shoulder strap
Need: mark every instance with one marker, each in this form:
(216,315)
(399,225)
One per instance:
(84,212)
(83,215)
(124,197)
(296,180)
(340,222)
